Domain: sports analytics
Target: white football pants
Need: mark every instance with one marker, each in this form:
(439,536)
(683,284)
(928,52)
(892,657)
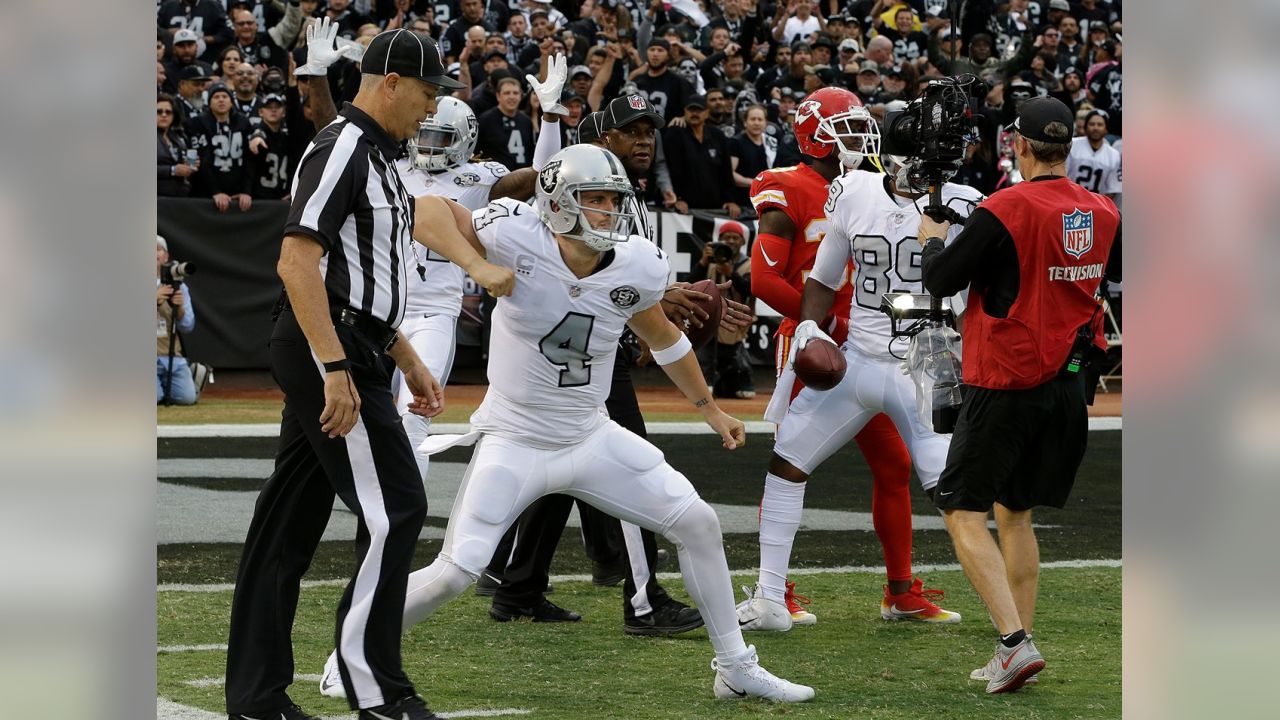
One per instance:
(432,337)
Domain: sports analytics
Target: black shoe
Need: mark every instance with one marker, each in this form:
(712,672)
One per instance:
(610,573)
(407,708)
(293,712)
(671,618)
(660,560)
(487,585)
(546,611)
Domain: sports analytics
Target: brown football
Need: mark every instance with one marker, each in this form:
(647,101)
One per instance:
(714,307)
(820,365)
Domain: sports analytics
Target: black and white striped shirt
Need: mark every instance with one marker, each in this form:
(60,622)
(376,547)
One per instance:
(348,197)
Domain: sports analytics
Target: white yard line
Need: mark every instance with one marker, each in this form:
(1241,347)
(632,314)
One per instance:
(865,569)
(655,428)
(193,648)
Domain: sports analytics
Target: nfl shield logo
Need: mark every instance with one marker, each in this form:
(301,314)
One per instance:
(636,102)
(1077,232)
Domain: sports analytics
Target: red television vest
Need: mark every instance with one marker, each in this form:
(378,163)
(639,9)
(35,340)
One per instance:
(1063,235)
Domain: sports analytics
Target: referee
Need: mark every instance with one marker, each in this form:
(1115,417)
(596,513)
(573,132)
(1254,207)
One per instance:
(344,261)
(1033,257)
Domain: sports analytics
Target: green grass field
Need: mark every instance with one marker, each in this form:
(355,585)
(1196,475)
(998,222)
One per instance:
(860,665)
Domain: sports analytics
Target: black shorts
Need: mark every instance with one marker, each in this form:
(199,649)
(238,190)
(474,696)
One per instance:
(1019,448)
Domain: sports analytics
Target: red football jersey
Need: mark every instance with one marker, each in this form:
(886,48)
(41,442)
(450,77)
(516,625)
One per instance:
(779,270)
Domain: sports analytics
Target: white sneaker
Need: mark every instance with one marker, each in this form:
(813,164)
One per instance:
(745,678)
(759,613)
(331,681)
(980,675)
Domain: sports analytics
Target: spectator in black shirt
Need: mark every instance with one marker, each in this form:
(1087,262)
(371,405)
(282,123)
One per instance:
(506,134)
(486,97)
(1105,84)
(206,19)
(472,13)
(780,69)
(269,161)
(1070,48)
(246,97)
(257,49)
(909,46)
(229,60)
(699,162)
(184,56)
(665,90)
(751,152)
(868,87)
(720,113)
(172,166)
(221,135)
(190,101)
(794,79)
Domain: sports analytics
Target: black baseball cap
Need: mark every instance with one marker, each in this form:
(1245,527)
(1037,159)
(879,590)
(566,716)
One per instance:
(660,42)
(624,110)
(1035,116)
(408,55)
(591,127)
(491,55)
(194,71)
(696,101)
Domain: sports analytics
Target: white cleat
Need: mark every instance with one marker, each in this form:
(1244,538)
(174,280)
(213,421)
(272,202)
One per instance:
(759,613)
(745,678)
(331,681)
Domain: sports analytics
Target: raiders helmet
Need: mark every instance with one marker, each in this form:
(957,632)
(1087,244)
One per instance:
(447,139)
(569,173)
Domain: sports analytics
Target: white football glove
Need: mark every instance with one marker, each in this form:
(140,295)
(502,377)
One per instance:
(549,91)
(322,50)
(805,332)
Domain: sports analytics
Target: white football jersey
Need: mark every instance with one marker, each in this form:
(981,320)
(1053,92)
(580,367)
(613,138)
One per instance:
(436,289)
(554,338)
(877,230)
(1095,170)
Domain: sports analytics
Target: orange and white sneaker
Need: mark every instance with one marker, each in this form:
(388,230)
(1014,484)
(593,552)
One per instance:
(796,606)
(916,604)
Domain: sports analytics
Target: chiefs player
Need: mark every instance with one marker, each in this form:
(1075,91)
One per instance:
(834,133)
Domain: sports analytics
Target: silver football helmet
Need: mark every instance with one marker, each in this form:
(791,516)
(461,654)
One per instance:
(447,139)
(573,171)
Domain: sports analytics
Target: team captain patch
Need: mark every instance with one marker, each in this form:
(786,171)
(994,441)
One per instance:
(625,296)
(1077,232)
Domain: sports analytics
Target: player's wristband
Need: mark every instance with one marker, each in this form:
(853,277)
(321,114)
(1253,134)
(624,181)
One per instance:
(337,365)
(678,349)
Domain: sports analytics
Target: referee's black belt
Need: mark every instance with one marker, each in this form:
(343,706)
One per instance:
(377,332)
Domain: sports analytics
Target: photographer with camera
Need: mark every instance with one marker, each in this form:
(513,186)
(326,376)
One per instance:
(174,314)
(1033,257)
(725,362)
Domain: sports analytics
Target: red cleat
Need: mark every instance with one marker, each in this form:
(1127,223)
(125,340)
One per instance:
(916,604)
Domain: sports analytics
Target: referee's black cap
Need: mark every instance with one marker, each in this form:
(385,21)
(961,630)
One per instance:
(407,54)
(624,110)
(1036,119)
(589,128)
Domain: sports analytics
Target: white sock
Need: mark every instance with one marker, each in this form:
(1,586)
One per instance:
(696,535)
(779,521)
(431,587)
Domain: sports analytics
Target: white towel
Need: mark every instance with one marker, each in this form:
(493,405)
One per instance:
(439,443)
(781,399)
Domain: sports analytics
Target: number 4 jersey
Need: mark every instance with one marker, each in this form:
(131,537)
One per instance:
(877,230)
(554,338)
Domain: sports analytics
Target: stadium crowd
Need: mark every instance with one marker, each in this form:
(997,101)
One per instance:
(233,117)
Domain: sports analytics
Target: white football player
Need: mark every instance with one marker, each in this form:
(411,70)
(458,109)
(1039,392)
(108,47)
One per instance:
(581,276)
(439,163)
(872,220)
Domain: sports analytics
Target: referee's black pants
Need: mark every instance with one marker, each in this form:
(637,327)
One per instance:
(539,529)
(372,470)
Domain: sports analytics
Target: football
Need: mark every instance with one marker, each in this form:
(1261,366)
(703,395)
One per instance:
(820,365)
(714,307)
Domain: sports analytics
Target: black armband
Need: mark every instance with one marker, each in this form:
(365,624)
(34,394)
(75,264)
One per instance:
(337,365)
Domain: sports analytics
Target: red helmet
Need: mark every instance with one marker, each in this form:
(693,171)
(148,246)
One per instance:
(832,118)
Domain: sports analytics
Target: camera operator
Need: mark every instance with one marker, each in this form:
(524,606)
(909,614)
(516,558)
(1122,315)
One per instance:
(1033,256)
(174,314)
(725,363)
